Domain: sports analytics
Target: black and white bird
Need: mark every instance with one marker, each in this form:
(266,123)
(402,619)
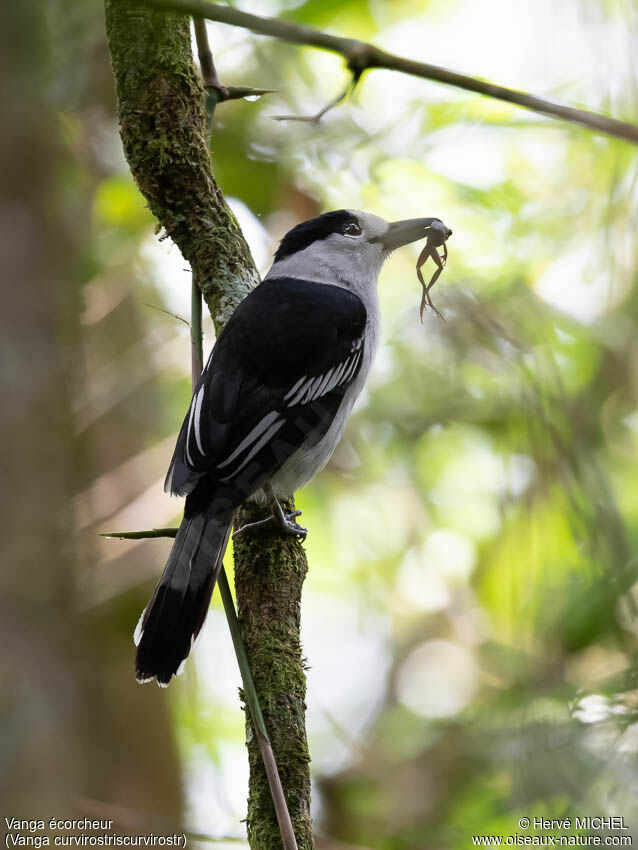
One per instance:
(269,408)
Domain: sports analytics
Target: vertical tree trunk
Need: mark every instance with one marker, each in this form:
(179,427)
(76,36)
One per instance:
(162,126)
(269,575)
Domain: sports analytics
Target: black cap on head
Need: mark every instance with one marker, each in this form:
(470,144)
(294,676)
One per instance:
(310,231)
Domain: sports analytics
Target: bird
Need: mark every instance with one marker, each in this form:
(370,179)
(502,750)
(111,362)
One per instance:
(269,409)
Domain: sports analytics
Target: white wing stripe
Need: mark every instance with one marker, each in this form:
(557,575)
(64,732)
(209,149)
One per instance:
(310,393)
(258,445)
(323,386)
(250,438)
(353,369)
(296,387)
(196,418)
(331,380)
(308,389)
(262,442)
(342,370)
(188,433)
(302,390)
(332,383)
(348,370)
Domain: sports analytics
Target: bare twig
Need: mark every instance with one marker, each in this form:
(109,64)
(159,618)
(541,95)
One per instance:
(315,119)
(206,62)
(237,92)
(168,312)
(250,694)
(140,535)
(362,57)
(216,91)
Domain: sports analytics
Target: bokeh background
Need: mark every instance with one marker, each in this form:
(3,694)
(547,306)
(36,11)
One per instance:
(470,614)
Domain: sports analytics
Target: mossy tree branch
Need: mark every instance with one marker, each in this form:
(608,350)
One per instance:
(164,136)
(269,575)
(162,126)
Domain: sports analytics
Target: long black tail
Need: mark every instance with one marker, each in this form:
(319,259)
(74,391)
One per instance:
(177,609)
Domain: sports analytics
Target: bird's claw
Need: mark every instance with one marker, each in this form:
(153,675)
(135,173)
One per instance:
(284,523)
(289,526)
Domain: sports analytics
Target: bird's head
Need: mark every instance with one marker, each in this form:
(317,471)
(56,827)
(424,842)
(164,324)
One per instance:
(346,247)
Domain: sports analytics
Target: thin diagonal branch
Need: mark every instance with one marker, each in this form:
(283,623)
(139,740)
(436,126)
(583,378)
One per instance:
(363,57)
(315,119)
(217,91)
(167,312)
(206,62)
(238,92)
(140,535)
(270,764)
(250,693)
(252,701)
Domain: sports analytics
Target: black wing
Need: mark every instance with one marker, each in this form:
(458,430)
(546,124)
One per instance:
(274,381)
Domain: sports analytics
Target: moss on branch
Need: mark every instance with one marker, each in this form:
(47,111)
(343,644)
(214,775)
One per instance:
(269,574)
(160,104)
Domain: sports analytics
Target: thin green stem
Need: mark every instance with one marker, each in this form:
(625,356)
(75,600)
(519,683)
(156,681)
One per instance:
(216,91)
(140,535)
(250,693)
(252,701)
(197,355)
(240,651)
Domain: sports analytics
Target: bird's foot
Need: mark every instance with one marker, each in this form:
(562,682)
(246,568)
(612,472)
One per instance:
(283,522)
(286,522)
(287,525)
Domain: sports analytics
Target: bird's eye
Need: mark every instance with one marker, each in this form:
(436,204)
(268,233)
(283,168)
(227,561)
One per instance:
(352,229)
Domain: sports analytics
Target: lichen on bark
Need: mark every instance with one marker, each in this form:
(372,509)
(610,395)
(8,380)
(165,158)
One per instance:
(160,104)
(160,108)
